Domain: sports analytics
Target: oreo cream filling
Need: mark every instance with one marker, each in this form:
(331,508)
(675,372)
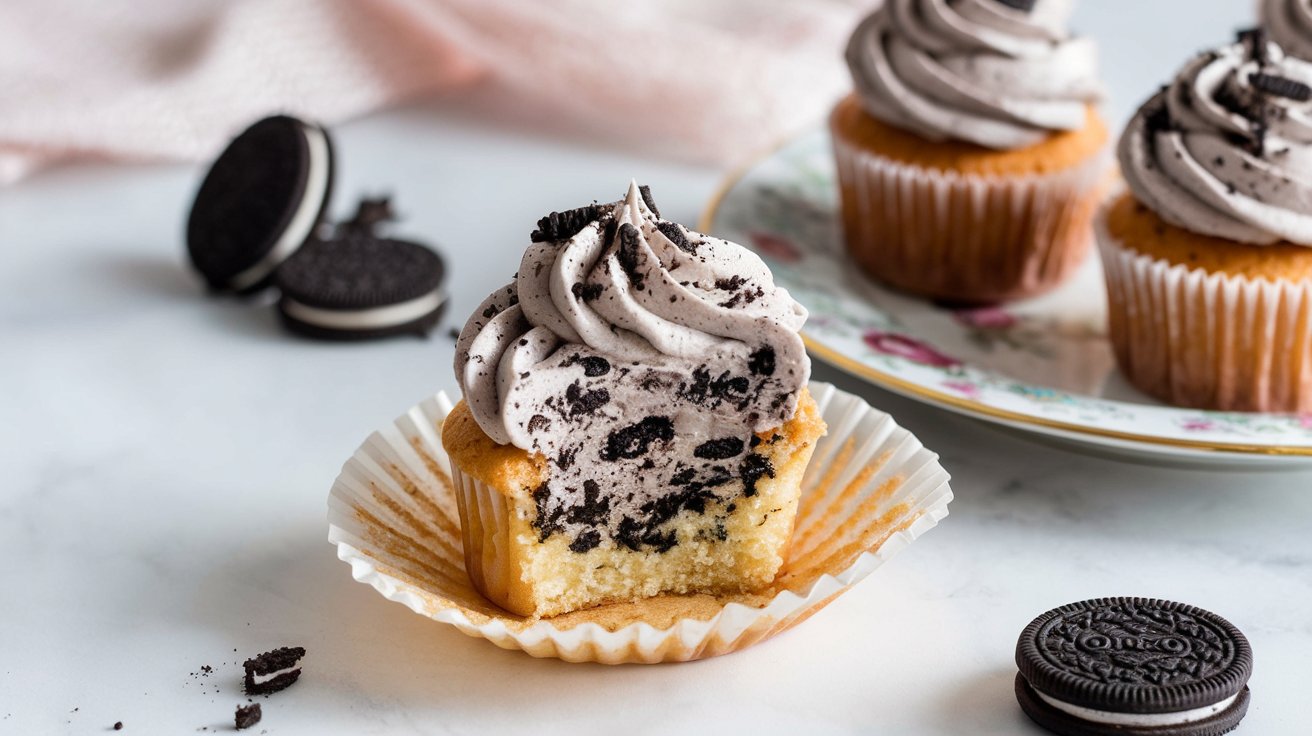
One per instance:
(640,359)
(365,319)
(1140,720)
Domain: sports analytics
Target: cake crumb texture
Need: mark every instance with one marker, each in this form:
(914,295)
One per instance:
(732,547)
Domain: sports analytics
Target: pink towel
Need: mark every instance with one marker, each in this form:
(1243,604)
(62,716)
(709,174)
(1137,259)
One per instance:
(709,80)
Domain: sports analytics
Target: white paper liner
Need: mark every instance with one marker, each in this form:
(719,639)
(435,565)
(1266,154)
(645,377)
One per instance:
(964,237)
(870,490)
(1207,340)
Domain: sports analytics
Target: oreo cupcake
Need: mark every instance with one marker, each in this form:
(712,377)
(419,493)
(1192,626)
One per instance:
(1209,254)
(971,158)
(635,417)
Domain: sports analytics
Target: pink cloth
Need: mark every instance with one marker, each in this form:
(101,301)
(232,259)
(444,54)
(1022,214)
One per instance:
(709,80)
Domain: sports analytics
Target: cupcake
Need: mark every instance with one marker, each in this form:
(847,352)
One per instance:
(635,418)
(1289,22)
(1209,254)
(971,158)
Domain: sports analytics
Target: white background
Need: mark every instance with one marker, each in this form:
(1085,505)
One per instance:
(167,456)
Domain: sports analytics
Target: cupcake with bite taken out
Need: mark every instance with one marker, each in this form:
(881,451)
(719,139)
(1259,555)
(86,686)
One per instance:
(971,158)
(635,418)
(1209,255)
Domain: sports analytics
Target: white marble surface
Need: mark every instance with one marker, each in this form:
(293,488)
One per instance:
(167,457)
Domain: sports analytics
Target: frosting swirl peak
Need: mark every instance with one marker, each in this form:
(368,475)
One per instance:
(629,346)
(1226,149)
(1003,74)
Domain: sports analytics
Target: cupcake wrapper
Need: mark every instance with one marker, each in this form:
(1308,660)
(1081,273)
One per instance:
(1208,340)
(870,490)
(485,532)
(966,238)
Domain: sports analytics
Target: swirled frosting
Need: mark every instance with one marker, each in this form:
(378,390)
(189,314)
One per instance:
(1003,74)
(1226,149)
(1290,24)
(629,347)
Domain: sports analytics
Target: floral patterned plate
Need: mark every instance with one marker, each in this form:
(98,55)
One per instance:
(1043,366)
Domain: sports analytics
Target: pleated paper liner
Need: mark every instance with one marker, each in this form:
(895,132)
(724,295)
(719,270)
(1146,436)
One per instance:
(961,237)
(871,489)
(1207,340)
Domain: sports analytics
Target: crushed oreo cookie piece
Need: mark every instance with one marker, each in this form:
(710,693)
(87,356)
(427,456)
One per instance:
(1280,86)
(369,214)
(585,541)
(594,509)
(1158,119)
(634,535)
(635,440)
(559,226)
(548,519)
(247,716)
(586,292)
(582,403)
(675,234)
(565,458)
(733,283)
(118,725)
(754,467)
(273,671)
(704,391)
(630,242)
(1255,41)
(761,362)
(594,366)
(719,449)
(645,191)
(1261,125)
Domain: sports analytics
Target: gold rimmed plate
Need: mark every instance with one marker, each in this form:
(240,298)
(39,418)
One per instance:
(1043,367)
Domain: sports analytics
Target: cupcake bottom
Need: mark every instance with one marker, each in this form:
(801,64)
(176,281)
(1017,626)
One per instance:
(724,550)
(1205,322)
(960,223)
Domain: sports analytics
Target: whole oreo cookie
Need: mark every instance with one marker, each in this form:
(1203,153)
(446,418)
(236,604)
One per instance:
(262,199)
(1133,667)
(358,285)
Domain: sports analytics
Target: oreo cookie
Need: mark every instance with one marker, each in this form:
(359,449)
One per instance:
(262,199)
(1133,667)
(273,671)
(358,285)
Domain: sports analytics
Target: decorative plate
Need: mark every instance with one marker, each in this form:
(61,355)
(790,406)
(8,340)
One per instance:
(1043,366)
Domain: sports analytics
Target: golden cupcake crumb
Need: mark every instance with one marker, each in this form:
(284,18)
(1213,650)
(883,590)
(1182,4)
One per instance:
(733,547)
(1141,229)
(1060,151)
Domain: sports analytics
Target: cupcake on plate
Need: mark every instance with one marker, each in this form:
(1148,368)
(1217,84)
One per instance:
(635,417)
(971,158)
(1209,254)
(1289,23)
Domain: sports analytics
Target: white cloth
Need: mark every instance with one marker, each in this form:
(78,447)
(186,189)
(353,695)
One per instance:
(167,80)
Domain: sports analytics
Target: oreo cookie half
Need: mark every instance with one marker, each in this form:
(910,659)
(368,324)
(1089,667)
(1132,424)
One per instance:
(358,285)
(261,200)
(1133,667)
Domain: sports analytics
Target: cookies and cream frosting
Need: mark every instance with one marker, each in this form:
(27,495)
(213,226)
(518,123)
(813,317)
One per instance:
(1290,24)
(640,358)
(1003,74)
(1226,148)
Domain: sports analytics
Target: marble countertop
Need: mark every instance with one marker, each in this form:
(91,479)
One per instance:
(168,455)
